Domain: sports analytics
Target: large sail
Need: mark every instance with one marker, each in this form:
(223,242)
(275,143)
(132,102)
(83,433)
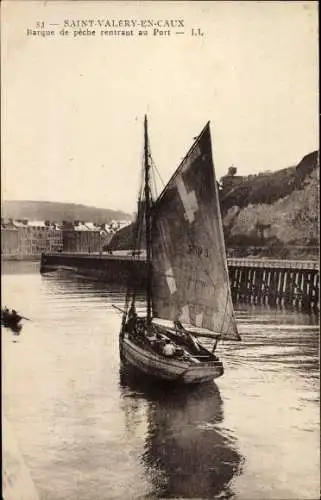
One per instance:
(190,277)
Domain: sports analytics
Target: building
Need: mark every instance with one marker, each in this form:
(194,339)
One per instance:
(54,242)
(38,236)
(9,240)
(22,238)
(230,180)
(24,241)
(116,225)
(81,238)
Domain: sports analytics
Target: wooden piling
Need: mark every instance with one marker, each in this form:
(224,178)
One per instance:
(280,282)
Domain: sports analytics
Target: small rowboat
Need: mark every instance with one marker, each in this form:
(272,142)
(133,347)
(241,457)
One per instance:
(10,319)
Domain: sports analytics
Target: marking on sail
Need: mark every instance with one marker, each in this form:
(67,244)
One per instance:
(188,199)
(199,319)
(184,316)
(170,280)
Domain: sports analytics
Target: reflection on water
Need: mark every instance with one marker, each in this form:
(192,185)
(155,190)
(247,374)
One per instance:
(15,329)
(186,453)
(88,431)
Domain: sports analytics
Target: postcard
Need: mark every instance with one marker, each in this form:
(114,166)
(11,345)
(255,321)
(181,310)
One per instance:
(160,194)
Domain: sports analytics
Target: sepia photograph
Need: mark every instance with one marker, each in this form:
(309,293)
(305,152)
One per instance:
(160,250)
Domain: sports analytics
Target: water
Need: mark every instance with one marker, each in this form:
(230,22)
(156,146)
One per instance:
(87,433)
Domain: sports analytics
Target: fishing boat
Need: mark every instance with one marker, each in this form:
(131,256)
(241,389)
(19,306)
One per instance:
(10,319)
(187,285)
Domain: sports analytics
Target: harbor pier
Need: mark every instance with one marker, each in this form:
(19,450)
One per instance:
(275,282)
(259,281)
(113,268)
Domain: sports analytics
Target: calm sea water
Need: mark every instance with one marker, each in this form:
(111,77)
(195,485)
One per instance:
(87,433)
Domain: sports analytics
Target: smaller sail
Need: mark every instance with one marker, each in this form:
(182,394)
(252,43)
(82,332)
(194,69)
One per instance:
(190,277)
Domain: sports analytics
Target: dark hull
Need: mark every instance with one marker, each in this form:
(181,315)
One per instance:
(10,321)
(195,369)
(174,370)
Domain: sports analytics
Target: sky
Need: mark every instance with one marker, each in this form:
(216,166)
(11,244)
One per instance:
(73,106)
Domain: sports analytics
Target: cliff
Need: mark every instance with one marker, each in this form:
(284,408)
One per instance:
(275,214)
(272,214)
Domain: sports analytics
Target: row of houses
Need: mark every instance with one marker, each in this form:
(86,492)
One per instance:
(23,238)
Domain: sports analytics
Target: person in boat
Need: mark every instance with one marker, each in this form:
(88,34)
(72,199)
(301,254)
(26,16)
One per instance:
(169,348)
(135,326)
(151,335)
(186,336)
(132,320)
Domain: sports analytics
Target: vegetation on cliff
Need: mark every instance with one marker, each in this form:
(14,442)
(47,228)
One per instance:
(268,187)
(271,214)
(277,216)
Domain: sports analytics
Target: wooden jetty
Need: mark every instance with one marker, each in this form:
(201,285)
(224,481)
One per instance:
(259,281)
(275,282)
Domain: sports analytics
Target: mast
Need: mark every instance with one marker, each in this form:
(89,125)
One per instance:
(148,226)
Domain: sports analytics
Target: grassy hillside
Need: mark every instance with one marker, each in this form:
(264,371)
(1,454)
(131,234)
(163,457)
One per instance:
(123,239)
(53,211)
(269,214)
